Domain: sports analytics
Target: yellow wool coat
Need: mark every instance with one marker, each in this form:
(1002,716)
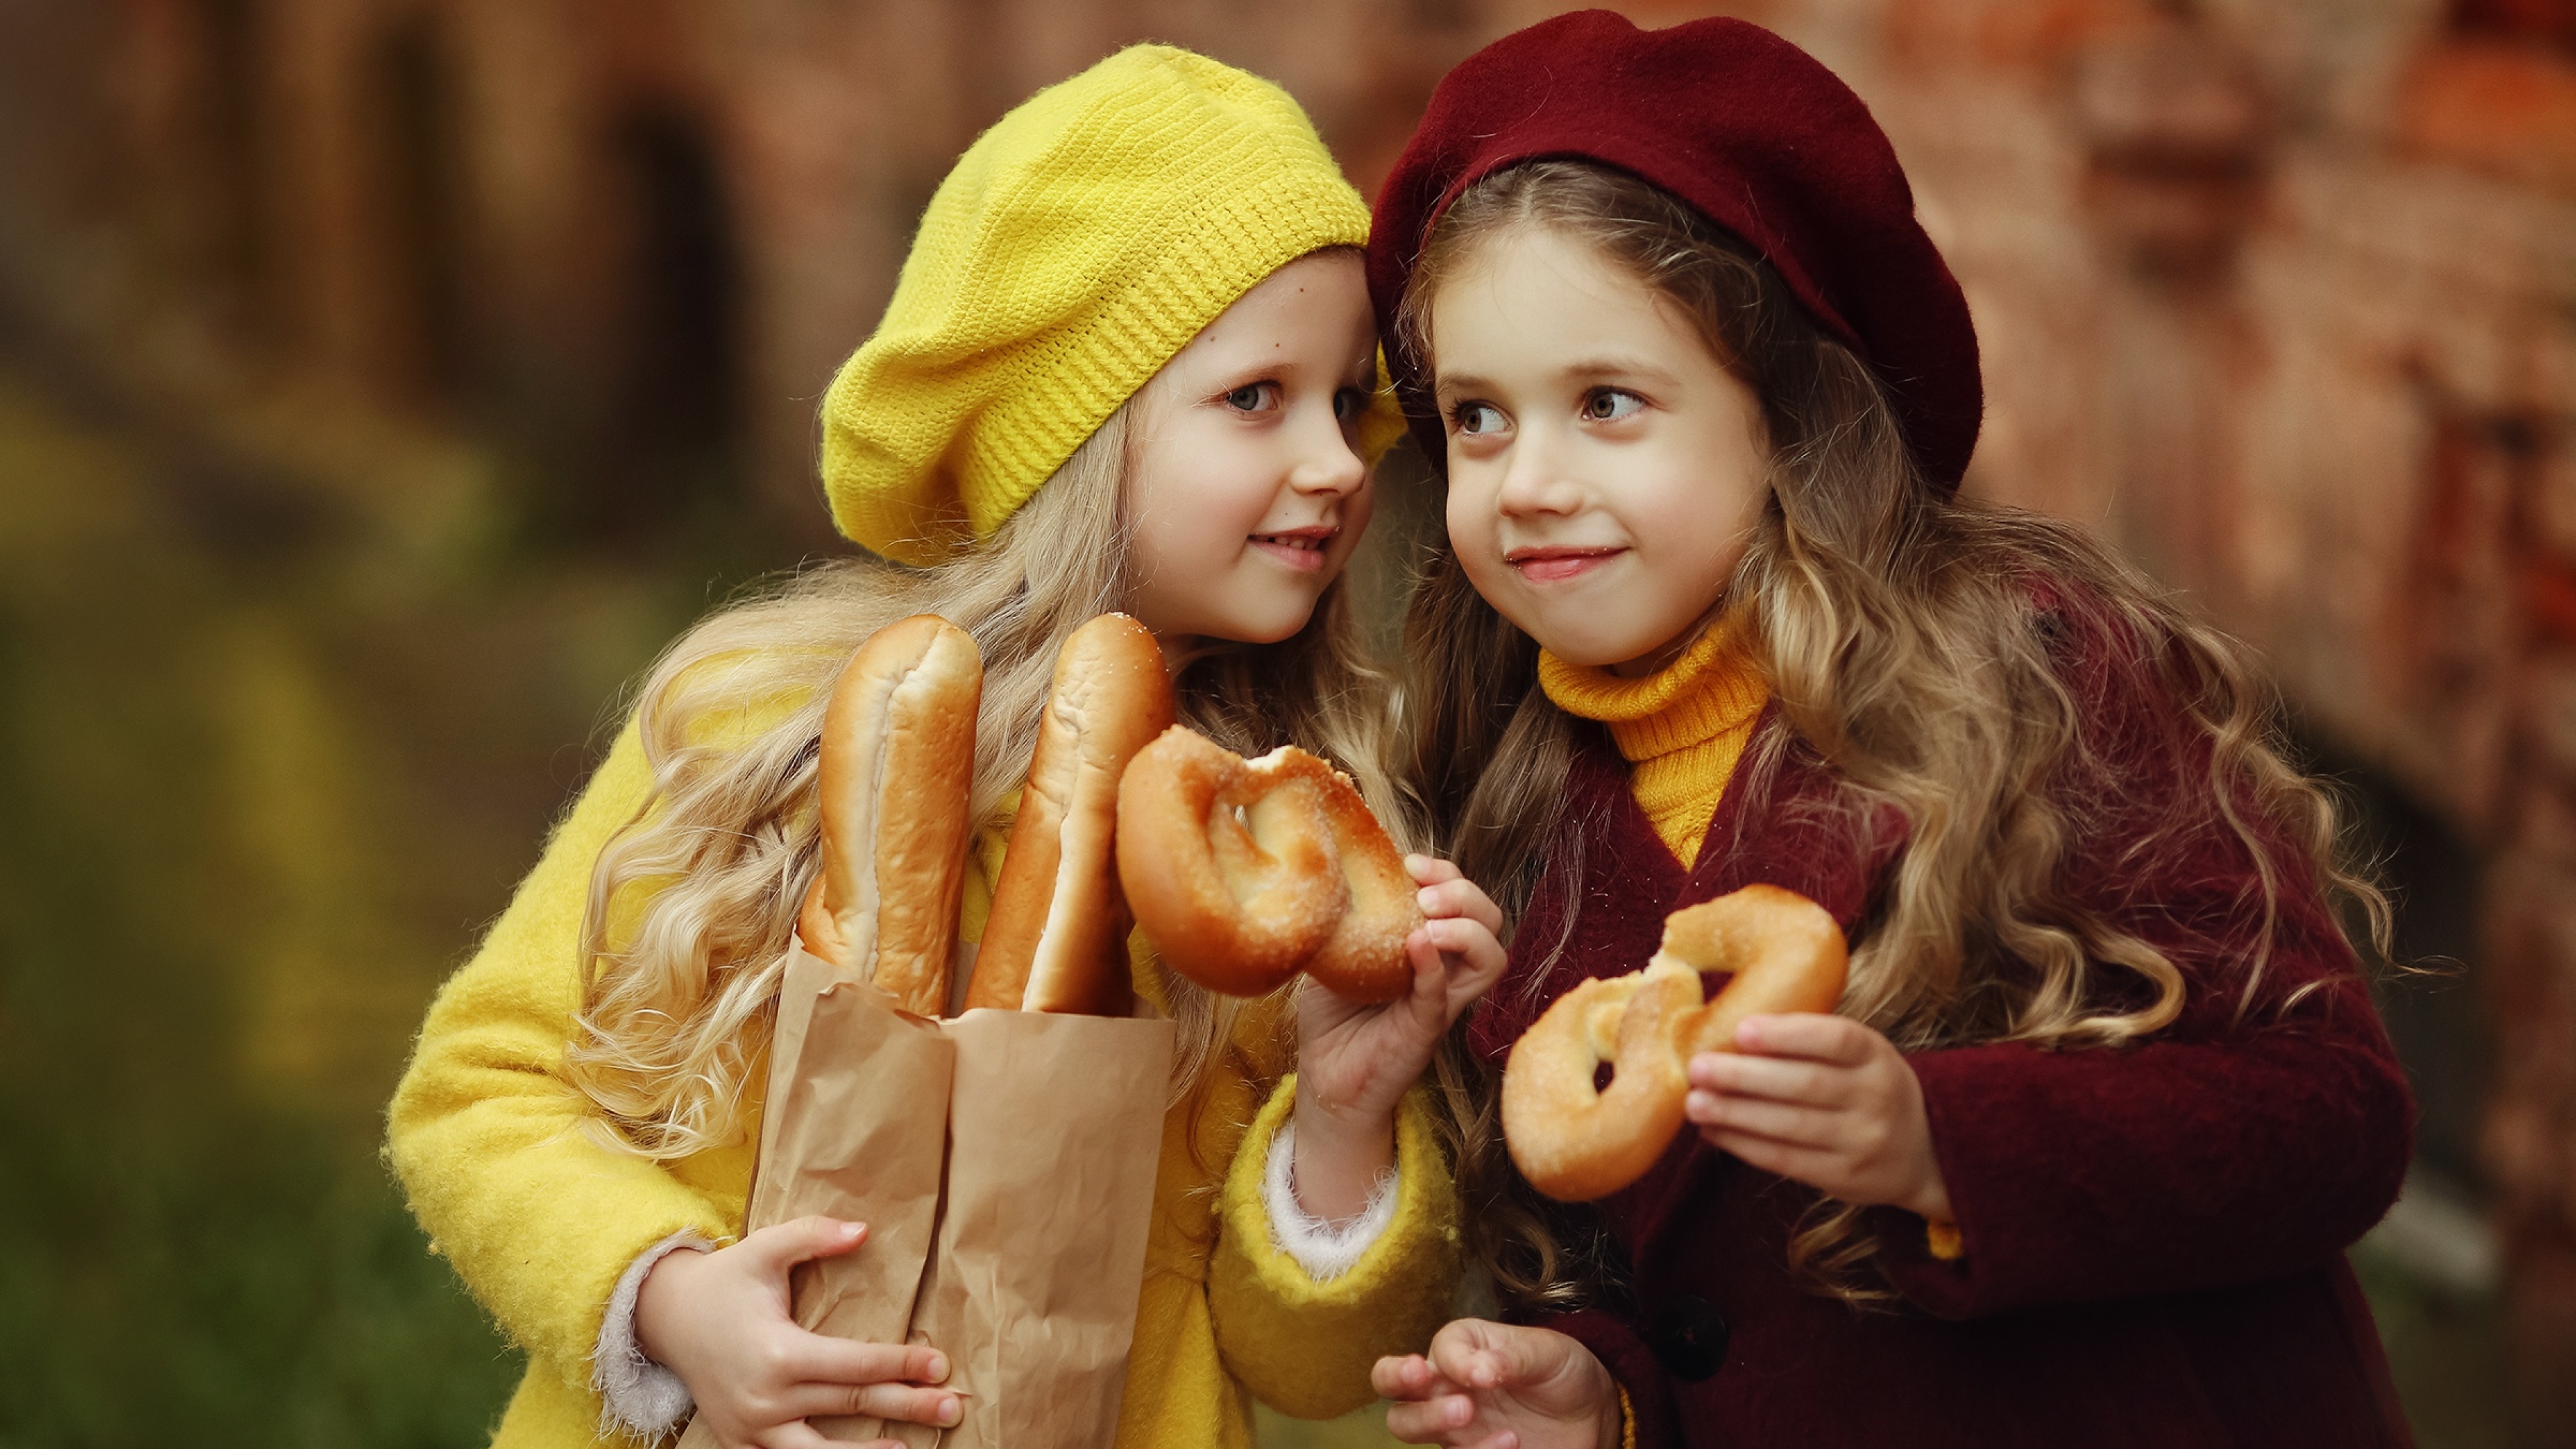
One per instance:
(541,1221)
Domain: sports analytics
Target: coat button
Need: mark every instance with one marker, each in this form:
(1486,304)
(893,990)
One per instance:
(1690,1339)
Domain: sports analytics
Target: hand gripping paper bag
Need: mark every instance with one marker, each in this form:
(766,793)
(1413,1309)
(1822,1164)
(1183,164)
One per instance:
(1004,1163)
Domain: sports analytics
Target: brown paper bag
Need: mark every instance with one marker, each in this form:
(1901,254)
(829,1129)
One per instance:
(1053,1128)
(1043,1132)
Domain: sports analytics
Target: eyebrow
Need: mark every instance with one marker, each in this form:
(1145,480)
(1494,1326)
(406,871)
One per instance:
(1598,366)
(1614,366)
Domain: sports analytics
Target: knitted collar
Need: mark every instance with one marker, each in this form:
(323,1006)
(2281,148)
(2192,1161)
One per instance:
(1715,687)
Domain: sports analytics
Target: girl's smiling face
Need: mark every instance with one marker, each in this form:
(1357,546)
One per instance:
(1605,471)
(1245,484)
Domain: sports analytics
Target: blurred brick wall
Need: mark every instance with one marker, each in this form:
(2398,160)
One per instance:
(2283,297)
(2280,295)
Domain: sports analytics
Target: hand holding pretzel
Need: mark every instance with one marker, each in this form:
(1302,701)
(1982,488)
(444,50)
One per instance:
(1577,1143)
(1357,1059)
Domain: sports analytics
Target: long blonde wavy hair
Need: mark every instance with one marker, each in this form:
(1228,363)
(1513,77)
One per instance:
(685,934)
(1897,629)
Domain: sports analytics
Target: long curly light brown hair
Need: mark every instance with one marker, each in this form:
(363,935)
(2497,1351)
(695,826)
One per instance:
(1895,625)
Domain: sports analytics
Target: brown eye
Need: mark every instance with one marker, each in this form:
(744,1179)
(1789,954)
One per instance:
(1477,419)
(1609,404)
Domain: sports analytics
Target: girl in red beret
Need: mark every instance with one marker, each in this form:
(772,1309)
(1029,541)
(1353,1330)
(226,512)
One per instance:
(2105,1099)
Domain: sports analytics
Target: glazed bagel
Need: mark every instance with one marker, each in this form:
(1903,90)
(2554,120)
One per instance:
(1244,872)
(1575,1143)
(1057,936)
(897,756)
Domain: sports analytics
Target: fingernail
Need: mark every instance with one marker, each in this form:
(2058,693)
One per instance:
(1699,1104)
(948,1413)
(1426,898)
(852,1230)
(938,1367)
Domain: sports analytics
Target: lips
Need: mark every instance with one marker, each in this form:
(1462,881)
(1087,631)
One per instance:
(1302,549)
(1554,565)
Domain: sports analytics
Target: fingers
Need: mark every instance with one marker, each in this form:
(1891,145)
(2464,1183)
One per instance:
(797,1434)
(821,1359)
(1484,1355)
(1471,941)
(1445,894)
(1781,1121)
(1430,869)
(1779,1079)
(1819,1168)
(1449,1418)
(907,1403)
(1812,1035)
(1477,956)
(784,1245)
(1403,1377)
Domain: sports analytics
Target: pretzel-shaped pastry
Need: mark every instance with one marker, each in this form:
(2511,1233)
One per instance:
(1244,872)
(1576,1143)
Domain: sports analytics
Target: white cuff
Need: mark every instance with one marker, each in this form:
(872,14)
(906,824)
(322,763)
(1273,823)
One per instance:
(1325,1250)
(635,1393)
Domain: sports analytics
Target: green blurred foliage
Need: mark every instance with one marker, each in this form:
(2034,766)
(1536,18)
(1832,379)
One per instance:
(226,890)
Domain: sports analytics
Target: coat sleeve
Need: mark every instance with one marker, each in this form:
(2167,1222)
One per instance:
(2169,1167)
(538,1219)
(2258,1134)
(1306,1347)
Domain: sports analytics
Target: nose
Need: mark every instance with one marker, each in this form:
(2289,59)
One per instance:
(1325,465)
(1535,480)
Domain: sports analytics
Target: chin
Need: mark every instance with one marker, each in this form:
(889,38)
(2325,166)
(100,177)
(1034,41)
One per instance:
(1270,626)
(1272,633)
(1591,652)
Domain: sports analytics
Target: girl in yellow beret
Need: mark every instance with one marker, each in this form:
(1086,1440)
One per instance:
(1129,365)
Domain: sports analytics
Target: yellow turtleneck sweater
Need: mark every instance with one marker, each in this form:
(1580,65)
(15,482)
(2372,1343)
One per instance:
(1681,729)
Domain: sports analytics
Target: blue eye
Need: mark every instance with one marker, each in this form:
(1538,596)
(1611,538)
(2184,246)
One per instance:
(1477,418)
(1254,397)
(1609,404)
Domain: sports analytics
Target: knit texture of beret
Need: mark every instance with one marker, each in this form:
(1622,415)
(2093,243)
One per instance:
(1076,247)
(1755,134)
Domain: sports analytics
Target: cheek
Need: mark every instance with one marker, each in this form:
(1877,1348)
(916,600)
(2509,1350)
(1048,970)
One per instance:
(1469,515)
(1697,517)
(1357,510)
(1471,533)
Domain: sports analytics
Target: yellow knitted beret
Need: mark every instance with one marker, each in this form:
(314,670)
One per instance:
(1077,246)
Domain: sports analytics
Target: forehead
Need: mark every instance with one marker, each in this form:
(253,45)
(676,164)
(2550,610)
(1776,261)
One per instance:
(1531,288)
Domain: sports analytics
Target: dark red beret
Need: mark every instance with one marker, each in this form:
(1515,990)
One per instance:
(1750,130)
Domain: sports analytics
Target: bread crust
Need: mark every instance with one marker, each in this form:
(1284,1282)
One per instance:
(1245,872)
(1057,936)
(1578,1144)
(897,760)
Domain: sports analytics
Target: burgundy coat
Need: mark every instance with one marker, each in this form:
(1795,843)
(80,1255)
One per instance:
(2154,1235)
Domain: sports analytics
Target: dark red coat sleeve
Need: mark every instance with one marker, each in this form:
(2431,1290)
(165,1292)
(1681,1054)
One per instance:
(2259,1134)
(2169,1167)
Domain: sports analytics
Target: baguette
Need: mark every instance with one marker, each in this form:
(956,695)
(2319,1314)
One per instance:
(897,758)
(1057,936)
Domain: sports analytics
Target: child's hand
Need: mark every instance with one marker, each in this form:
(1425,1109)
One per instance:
(1826,1101)
(1493,1386)
(720,1321)
(1356,1061)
